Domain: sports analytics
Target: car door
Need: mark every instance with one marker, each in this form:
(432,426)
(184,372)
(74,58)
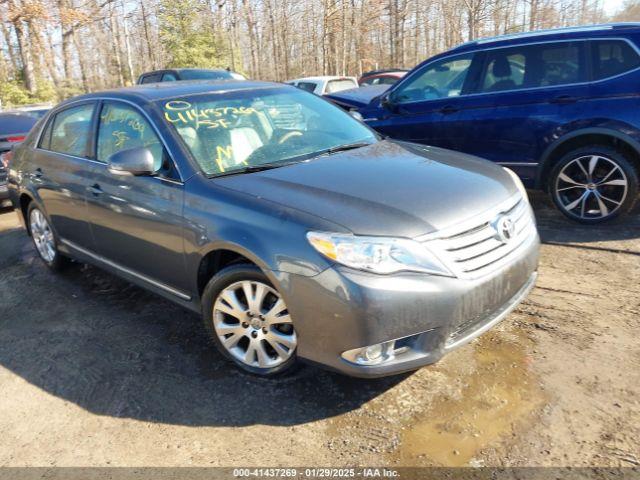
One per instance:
(61,170)
(136,221)
(421,108)
(523,95)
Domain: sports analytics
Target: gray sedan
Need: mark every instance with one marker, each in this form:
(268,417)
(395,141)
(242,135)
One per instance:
(294,230)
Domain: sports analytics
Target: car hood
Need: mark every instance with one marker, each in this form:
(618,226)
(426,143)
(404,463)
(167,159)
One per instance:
(358,97)
(387,188)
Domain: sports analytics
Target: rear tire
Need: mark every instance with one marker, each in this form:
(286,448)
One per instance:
(248,322)
(45,239)
(594,184)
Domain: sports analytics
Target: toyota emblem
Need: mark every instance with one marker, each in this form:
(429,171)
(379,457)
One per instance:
(505,229)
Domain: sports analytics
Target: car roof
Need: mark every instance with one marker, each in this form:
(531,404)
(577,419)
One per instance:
(157,91)
(162,70)
(320,78)
(565,33)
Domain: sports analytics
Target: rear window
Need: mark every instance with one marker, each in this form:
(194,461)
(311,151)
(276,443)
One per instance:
(152,78)
(308,86)
(613,57)
(339,85)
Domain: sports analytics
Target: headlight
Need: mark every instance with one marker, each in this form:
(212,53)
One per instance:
(518,182)
(377,254)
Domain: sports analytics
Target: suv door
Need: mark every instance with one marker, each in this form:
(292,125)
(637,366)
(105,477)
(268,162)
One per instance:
(523,95)
(137,221)
(61,171)
(421,108)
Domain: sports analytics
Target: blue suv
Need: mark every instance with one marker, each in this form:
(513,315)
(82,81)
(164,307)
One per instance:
(559,107)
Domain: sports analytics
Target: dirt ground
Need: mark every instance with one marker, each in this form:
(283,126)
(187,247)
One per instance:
(96,372)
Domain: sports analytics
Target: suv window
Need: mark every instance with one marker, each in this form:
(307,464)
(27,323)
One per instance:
(70,131)
(612,57)
(121,128)
(441,79)
(531,66)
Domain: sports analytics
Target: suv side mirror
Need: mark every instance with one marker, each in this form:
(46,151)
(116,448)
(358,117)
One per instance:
(133,161)
(387,103)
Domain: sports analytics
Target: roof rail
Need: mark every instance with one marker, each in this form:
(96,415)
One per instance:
(550,31)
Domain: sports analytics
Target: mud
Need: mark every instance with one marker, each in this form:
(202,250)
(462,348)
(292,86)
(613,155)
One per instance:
(97,372)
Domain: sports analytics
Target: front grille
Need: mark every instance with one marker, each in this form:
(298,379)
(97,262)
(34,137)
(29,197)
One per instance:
(475,250)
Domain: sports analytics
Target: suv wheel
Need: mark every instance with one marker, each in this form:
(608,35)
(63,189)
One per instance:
(44,239)
(248,320)
(594,184)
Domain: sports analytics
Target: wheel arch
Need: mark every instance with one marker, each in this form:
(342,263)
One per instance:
(215,257)
(24,201)
(622,142)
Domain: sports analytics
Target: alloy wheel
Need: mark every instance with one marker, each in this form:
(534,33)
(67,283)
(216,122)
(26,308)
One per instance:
(253,324)
(591,187)
(42,235)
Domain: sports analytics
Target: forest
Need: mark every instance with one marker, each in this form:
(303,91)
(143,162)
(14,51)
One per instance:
(53,49)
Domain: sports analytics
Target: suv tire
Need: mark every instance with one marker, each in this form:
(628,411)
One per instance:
(594,184)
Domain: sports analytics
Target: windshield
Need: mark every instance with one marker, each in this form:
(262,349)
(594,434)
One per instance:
(205,75)
(233,131)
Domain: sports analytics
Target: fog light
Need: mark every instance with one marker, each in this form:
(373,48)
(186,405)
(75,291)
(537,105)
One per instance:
(371,355)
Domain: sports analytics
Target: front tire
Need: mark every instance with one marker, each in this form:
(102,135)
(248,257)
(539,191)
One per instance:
(248,321)
(44,239)
(594,184)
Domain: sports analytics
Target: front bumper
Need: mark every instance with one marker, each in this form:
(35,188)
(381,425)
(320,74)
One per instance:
(342,309)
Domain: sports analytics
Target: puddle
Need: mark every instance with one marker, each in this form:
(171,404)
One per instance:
(496,396)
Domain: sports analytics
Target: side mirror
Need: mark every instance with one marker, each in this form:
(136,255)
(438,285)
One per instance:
(133,161)
(357,115)
(387,103)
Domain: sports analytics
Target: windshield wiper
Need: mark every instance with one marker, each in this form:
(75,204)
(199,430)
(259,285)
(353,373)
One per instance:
(252,169)
(345,147)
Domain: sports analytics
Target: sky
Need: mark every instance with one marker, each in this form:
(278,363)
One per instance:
(612,6)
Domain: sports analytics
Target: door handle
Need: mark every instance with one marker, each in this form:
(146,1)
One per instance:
(564,99)
(447,109)
(95,190)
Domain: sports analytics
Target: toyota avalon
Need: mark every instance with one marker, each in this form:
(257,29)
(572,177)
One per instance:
(293,229)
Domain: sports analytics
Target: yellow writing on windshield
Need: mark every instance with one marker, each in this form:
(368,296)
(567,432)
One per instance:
(179,111)
(223,155)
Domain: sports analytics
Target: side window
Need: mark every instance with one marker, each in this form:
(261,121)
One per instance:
(532,66)
(71,129)
(442,79)
(169,77)
(504,71)
(121,128)
(612,57)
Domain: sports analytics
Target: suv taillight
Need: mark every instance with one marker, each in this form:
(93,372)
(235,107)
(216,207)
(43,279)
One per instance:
(18,138)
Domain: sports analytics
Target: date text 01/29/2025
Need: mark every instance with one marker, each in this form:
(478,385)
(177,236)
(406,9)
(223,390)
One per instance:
(316,473)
